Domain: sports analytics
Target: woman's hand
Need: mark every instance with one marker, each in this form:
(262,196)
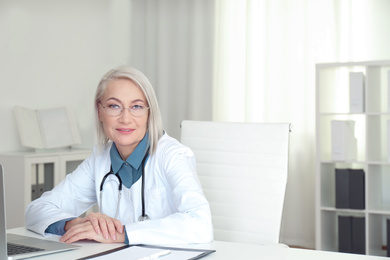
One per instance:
(85,230)
(104,224)
(95,226)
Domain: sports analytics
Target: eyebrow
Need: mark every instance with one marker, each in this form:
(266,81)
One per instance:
(133,101)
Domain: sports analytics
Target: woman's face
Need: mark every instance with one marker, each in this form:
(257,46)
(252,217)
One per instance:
(125,129)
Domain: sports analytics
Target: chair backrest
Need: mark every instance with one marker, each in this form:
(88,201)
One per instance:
(243,171)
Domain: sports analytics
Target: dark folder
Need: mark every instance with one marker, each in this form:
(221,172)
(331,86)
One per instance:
(388,236)
(350,188)
(356,189)
(342,188)
(352,234)
(359,235)
(345,234)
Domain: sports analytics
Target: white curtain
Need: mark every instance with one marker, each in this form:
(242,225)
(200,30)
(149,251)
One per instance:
(265,56)
(172,43)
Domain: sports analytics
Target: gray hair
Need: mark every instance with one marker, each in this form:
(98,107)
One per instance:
(155,126)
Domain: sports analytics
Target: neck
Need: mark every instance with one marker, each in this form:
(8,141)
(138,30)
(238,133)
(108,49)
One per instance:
(125,153)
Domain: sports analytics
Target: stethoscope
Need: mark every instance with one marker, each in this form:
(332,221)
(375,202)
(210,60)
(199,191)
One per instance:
(143,216)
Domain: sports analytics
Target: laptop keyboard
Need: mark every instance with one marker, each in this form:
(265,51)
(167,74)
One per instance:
(14,249)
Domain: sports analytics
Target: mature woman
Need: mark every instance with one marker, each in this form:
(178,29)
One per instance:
(143,180)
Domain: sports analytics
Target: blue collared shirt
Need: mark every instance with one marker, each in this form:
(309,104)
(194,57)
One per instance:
(130,170)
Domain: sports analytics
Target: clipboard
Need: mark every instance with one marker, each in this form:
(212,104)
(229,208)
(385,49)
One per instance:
(195,253)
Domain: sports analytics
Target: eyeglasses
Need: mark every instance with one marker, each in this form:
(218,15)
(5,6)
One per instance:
(116,110)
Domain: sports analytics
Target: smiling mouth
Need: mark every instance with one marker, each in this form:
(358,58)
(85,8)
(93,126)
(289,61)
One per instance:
(125,130)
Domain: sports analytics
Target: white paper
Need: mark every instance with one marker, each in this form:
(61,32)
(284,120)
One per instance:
(137,252)
(356,85)
(388,91)
(344,142)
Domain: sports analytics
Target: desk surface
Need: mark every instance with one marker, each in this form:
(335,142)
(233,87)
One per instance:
(224,250)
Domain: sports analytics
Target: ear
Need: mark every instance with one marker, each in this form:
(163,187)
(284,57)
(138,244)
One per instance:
(99,113)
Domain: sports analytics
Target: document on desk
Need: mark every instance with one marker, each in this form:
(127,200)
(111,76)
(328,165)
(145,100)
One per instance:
(146,252)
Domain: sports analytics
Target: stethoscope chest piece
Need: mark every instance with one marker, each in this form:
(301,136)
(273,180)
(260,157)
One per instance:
(143,217)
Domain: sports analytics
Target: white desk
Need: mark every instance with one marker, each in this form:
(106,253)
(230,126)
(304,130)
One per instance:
(224,250)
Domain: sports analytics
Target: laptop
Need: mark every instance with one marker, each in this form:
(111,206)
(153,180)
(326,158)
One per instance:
(29,246)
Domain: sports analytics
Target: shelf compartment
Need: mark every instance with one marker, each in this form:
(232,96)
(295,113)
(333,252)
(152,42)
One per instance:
(378,138)
(377,90)
(329,227)
(377,237)
(328,182)
(329,233)
(325,135)
(331,98)
(377,187)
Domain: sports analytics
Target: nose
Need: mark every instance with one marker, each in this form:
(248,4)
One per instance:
(126,115)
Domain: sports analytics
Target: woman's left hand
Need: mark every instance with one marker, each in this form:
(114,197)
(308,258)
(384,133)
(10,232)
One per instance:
(95,226)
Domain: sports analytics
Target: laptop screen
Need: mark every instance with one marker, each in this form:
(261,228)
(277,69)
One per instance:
(3,227)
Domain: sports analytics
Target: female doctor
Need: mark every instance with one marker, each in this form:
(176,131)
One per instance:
(143,180)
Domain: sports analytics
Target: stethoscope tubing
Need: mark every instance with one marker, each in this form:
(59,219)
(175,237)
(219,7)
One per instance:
(143,216)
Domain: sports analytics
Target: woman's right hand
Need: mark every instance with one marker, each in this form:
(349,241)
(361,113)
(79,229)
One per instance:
(104,225)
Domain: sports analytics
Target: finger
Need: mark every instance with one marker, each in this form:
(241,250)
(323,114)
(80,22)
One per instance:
(82,232)
(94,219)
(104,228)
(112,228)
(119,226)
(72,234)
(105,225)
(85,231)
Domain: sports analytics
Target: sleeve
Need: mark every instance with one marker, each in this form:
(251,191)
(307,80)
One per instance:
(191,220)
(57,228)
(69,199)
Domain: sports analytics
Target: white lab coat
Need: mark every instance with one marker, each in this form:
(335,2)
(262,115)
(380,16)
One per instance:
(174,199)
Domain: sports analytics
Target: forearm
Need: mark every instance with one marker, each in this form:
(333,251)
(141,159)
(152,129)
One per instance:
(40,216)
(58,228)
(179,228)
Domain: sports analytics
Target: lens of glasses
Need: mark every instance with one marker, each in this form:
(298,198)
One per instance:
(116,110)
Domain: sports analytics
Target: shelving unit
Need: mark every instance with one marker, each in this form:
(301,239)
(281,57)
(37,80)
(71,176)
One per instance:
(371,131)
(20,167)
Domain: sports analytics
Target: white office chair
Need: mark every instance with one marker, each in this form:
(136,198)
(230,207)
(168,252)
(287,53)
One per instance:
(243,171)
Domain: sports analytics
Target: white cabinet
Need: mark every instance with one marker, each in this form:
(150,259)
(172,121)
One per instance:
(372,133)
(22,169)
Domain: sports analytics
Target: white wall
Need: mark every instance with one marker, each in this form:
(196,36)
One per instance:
(53,53)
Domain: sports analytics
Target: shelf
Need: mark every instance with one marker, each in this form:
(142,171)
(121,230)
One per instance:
(351,114)
(344,211)
(372,132)
(20,171)
(348,163)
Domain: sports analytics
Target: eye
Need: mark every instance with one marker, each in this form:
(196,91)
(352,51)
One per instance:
(137,107)
(114,107)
